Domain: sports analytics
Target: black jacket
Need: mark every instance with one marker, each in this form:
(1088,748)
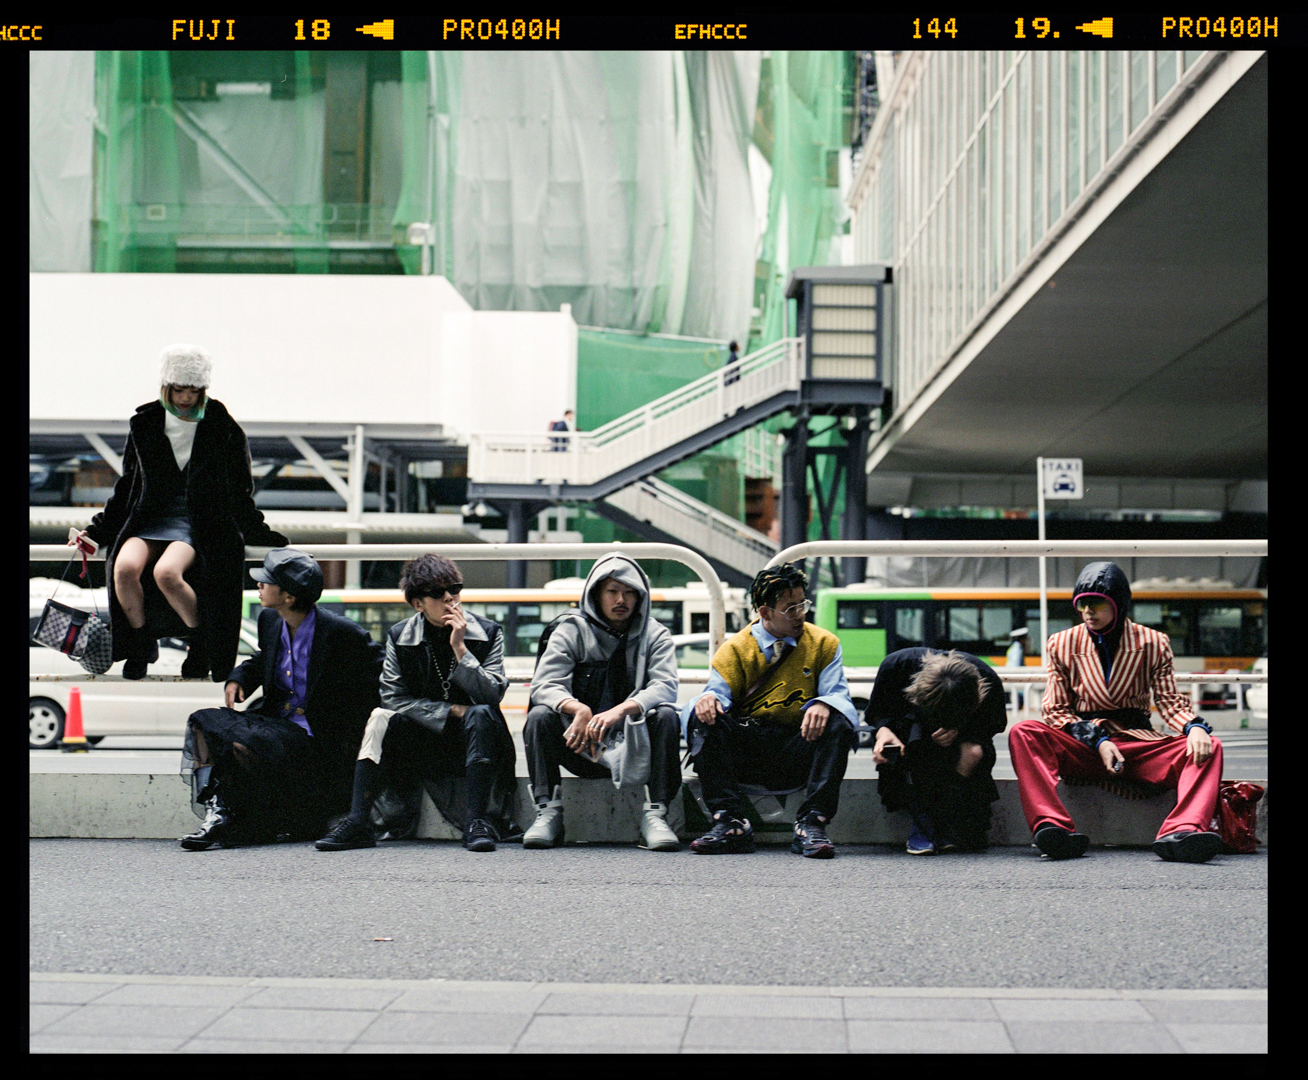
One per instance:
(889,708)
(224,519)
(343,687)
(410,688)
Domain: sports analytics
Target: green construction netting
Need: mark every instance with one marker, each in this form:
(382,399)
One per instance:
(181,168)
(666,193)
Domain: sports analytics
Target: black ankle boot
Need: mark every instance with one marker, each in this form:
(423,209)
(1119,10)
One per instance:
(142,651)
(216,825)
(196,664)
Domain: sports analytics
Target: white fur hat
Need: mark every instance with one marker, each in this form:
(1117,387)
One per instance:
(185,365)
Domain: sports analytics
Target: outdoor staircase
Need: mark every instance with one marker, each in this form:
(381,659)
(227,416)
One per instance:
(585,466)
(663,514)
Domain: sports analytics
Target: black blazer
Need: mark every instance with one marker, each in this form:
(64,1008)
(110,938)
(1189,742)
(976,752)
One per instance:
(343,686)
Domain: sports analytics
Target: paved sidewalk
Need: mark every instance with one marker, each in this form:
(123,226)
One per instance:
(85,1013)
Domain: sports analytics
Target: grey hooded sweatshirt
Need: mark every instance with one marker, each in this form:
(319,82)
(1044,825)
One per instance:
(587,638)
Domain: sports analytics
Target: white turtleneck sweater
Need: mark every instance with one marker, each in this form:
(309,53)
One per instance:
(181,434)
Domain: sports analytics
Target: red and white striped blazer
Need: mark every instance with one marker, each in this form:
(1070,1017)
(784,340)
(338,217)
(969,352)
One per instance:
(1142,666)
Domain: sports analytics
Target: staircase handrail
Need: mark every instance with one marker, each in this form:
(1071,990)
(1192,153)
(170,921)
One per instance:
(675,399)
(715,517)
(569,452)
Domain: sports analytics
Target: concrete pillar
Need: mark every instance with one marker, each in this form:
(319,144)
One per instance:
(854,526)
(794,485)
(516,514)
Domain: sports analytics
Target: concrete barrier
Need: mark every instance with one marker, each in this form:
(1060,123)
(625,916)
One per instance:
(111,803)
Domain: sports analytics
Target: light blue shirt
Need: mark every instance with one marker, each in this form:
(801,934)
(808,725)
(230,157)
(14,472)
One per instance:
(832,687)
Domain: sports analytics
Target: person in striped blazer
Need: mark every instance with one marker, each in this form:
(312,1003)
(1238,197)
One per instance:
(1095,724)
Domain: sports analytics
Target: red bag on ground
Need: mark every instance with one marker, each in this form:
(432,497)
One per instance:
(1236,818)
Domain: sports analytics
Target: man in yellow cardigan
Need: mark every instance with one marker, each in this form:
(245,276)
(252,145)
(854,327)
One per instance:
(777,712)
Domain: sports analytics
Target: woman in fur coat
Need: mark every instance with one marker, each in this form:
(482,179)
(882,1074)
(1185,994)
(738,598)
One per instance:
(178,523)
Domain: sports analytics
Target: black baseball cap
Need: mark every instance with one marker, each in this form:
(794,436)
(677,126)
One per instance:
(293,571)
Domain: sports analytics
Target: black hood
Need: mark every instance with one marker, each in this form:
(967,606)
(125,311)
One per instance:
(1105,579)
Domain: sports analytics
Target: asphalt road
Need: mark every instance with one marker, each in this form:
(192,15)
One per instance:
(874,916)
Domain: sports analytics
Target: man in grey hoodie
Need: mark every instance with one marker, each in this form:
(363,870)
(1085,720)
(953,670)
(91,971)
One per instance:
(602,664)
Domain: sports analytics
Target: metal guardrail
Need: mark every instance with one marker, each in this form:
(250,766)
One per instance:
(485,553)
(717,602)
(1088,549)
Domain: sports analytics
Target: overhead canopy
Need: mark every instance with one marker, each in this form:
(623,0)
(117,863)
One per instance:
(1146,353)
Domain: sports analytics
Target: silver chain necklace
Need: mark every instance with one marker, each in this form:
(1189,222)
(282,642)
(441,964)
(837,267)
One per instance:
(444,678)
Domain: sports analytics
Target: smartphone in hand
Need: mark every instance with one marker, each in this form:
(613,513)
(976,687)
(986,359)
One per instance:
(86,543)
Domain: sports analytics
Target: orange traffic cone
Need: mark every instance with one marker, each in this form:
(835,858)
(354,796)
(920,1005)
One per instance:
(74,742)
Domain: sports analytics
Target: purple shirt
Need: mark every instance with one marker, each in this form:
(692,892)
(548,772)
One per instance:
(292,672)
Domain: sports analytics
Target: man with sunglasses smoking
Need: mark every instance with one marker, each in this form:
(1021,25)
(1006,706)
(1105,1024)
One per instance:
(1095,724)
(776,712)
(441,687)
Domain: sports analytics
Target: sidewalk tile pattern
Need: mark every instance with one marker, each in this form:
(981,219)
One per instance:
(85,1013)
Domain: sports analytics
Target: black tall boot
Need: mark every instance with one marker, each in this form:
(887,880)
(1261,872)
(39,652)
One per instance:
(216,825)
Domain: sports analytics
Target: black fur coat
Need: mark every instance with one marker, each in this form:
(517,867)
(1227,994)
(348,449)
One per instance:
(224,519)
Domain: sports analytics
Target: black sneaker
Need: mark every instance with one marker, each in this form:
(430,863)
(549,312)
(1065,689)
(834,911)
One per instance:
(479,836)
(729,836)
(347,834)
(1060,844)
(811,839)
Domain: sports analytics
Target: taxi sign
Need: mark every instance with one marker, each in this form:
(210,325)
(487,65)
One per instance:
(1061,478)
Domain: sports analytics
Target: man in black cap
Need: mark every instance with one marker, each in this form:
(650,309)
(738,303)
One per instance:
(286,765)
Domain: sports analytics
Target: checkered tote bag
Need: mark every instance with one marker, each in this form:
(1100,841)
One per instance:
(84,636)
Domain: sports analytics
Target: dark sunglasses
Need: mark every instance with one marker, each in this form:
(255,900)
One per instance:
(439,593)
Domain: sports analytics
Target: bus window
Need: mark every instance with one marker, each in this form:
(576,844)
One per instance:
(978,628)
(1219,630)
(1255,630)
(1169,617)
(1056,625)
(375,618)
(699,622)
(532,620)
(669,614)
(858,614)
(910,627)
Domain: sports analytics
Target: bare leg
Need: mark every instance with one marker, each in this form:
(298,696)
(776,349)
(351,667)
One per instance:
(173,563)
(129,565)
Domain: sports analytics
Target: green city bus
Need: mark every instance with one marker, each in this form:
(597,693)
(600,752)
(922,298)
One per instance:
(1210,629)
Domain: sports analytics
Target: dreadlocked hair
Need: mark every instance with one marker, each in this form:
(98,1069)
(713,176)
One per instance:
(774,582)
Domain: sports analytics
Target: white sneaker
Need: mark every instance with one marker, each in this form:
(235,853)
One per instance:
(547,830)
(655,833)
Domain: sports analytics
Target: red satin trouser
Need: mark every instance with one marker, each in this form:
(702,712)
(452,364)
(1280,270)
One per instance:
(1041,754)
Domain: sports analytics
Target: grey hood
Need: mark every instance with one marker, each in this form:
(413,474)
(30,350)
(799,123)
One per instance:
(652,656)
(629,573)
